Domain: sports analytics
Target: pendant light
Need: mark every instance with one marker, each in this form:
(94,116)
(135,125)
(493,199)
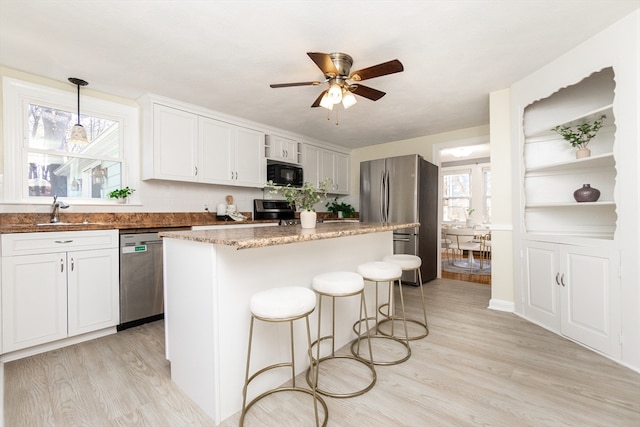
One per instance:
(78,134)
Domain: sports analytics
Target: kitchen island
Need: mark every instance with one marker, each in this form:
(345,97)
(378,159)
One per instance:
(209,278)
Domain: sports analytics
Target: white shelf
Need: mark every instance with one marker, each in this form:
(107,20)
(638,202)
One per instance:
(602,160)
(570,204)
(607,110)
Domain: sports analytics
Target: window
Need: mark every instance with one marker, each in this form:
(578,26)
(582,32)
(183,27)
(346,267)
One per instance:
(40,163)
(456,195)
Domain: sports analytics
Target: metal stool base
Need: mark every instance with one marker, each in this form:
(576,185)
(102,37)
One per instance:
(283,389)
(405,343)
(388,319)
(365,362)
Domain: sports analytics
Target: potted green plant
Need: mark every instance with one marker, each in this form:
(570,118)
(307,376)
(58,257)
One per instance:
(121,194)
(304,199)
(580,136)
(341,210)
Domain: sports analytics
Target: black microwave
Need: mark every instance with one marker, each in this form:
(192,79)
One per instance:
(284,173)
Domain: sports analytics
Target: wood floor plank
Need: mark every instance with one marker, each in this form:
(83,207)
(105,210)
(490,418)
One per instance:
(476,367)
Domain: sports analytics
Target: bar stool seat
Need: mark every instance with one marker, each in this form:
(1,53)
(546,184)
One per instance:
(338,284)
(377,272)
(285,304)
(409,263)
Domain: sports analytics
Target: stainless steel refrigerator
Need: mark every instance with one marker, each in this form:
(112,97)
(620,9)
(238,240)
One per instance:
(404,189)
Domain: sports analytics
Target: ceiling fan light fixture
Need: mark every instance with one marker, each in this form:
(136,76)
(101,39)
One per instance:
(78,134)
(325,102)
(335,93)
(348,99)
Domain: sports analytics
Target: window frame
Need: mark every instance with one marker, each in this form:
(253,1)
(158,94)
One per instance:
(18,94)
(457,171)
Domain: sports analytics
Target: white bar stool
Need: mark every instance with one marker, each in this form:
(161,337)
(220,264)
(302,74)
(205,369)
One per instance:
(285,304)
(409,263)
(377,272)
(338,284)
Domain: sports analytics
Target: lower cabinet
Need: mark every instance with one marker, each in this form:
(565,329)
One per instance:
(575,291)
(48,295)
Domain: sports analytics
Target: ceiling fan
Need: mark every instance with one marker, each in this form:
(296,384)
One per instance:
(343,83)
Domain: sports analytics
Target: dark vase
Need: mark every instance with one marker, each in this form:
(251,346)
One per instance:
(586,194)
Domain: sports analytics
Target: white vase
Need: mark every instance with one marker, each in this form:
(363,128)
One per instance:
(308,219)
(121,200)
(581,153)
(470,223)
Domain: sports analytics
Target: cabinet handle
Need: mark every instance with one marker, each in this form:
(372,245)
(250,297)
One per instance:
(562,279)
(71,264)
(557,281)
(196,170)
(61,265)
(64,241)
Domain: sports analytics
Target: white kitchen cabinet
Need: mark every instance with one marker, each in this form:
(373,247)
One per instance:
(57,285)
(321,163)
(231,155)
(186,143)
(574,290)
(282,149)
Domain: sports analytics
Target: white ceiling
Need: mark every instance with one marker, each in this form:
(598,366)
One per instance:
(224,54)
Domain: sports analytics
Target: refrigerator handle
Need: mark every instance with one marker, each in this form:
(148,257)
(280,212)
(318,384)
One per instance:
(386,197)
(382,192)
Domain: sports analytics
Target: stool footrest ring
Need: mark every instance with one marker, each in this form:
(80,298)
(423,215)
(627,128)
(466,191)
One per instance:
(405,343)
(283,389)
(411,337)
(368,387)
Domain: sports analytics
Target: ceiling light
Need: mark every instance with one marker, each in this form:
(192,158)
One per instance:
(335,93)
(461,151)
(348,99)
(325,102)
(78,134)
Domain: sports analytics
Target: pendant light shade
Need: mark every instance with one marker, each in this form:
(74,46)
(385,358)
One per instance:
(78,134)
(348,99)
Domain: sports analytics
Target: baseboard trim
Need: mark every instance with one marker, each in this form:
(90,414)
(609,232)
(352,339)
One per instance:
(501,305)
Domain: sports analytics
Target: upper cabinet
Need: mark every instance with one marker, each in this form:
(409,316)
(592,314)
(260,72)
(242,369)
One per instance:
(283,149)
(321,163)
(180,144)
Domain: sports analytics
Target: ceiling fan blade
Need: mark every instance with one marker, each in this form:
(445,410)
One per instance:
(367,92)
(324,62)
(383,69)
(277,85)
(316,103)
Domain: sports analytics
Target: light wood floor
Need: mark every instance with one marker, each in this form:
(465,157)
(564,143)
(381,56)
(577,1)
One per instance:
(476,367)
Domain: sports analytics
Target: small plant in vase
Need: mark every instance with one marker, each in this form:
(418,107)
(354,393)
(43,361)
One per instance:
(121,194)
(341,210)
(303,198)
(580,136)
(469,222)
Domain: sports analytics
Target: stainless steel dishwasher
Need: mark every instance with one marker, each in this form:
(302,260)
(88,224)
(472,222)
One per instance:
(141,285)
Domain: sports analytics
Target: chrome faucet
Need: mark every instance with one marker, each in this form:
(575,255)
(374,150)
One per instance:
(55,209)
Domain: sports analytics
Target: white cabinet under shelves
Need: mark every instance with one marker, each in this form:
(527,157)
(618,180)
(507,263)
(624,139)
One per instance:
(181,144)
(57,285)
(282,149)
(574,290)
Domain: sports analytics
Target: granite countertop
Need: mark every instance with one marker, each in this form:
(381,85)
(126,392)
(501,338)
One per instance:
(246,238)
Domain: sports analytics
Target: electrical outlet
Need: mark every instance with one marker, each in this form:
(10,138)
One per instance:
(206,207)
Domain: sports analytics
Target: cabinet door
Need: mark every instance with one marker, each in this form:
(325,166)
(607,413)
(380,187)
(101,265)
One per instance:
(34,300)
(92,290)
(326,166)
(250,162)
(590,289)
(311,167)
(217,148)
(341,173)
(542,284)
(175,143)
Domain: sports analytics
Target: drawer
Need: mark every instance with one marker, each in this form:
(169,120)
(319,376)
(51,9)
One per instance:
(57,241)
